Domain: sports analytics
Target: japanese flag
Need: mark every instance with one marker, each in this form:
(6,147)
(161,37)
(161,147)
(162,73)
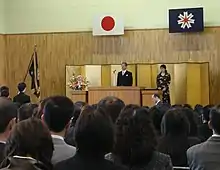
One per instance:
(108,25)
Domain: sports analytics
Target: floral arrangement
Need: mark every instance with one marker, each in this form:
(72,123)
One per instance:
(78,82)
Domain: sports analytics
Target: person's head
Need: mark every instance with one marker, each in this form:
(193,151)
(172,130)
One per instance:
(8,113)
(192,121)
(30,138)
(25,111)
(39,112)
(76,114)
(206,113)
(94,132)
(215,119)
(124,65)
(80,104)
(163,68)
(156,98)
(22,87)
(135,136)
(57,113)
(4,91)
(188,106)
(199,109)
(113,105)
(175,123)
(157,114)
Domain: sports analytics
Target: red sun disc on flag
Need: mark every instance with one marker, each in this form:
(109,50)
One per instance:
(108,23)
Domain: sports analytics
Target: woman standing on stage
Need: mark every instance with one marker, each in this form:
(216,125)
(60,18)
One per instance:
(163,82)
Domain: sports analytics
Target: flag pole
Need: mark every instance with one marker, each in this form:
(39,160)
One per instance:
(29,65)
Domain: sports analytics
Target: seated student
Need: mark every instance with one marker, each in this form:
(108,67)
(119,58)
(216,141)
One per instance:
(57,114)
(26,111)
(206,156)
(4,92)
(94,135)
(175,140)
(8,113)
(135,145)
(29,147)
(21,98)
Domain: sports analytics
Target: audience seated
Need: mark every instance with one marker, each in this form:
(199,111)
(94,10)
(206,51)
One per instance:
(4,92)
(206,156)
(57,114)
(94,135)
(25,111)
(70,134)
(204,131)
(8,113)
(29,147)
(38,114)
(80,104)
(156,99)
(112,105)
(175,141)
(135,145)
(21,98)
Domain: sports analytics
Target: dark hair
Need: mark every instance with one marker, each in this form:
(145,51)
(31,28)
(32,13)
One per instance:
(25,111)
(94,132)
(58,112)
(126,64)
(4,91)
(31,137)
(215,119)
(157,114)
(8,111)
(188,106)
(21,87)
(113,105)
(76,114)
(163,66)
(135,136)
(198,109)
(206,112)
(193,121)
(175,128)
(80,104)
(39,112)
(156,95)
(175,122)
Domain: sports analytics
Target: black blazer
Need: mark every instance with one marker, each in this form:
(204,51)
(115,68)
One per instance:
(81,162)
(125,80)
(2,147)
(21,99)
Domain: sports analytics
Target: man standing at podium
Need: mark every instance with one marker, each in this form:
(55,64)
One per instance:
(125,77)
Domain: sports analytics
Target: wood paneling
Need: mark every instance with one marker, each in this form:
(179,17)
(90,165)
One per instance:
(141,46)
(2,61)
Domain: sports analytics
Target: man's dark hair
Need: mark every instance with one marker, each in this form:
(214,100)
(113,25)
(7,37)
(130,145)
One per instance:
(112,105)
(94,132)
(58,112)
(135,139)
(31,137)
(126,64)
(8,111)
(21,87)
(215,119)
(4,91)
(26,111)
(156,95)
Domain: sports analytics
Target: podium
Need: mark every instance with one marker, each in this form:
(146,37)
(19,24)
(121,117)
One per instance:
(147,96)
(78,96)
(130,95)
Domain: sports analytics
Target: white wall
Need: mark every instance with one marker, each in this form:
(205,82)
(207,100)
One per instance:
(2,16)
(30,16)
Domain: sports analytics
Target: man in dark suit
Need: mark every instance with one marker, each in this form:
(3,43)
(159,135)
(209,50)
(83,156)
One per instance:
(21,98)
(206,155)
(8,113)
(125,77)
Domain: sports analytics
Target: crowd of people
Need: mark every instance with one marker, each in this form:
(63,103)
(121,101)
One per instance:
(61,135)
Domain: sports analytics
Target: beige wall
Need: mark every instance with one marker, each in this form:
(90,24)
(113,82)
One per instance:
(2,16)
(32,16)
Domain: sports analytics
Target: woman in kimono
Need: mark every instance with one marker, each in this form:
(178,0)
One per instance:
(163,82)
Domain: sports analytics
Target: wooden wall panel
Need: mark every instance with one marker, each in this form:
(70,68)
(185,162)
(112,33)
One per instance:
(140,46)
(3,61)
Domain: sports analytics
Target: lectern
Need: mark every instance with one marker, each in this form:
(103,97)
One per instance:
(78,96)
(130,95)
(147,96)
